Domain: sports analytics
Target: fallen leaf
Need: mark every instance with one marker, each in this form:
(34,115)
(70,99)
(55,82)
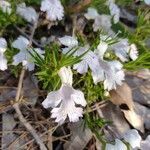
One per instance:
(122,96)
(119,124)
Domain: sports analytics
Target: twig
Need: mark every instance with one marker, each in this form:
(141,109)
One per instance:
(20,85)
(29,127)
(51,130)
(16,105)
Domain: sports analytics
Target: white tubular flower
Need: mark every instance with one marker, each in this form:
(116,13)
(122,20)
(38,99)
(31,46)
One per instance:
(119,145)
(121,49)
(108,71)
(114,11)
(91,14)
(53,8)
(65,99)
(28,13)
(133,138)
(133,53)
(89,60)
(3,60)
(147,2)
(24,56)
(5,6)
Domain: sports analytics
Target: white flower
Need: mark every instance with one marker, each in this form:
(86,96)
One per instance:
(147,2)
(145,145)
(24,56)
(102,22)
(68,41)
(121,49)
(91,14)
(3,60)
(133,53)
(63,102)
(133,138)
(114,11)
(119,145)
(89,60)
(109,72)
(5,6)
(28,13)
(53,8)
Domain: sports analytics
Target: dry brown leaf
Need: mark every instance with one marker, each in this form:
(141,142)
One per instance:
(122,96)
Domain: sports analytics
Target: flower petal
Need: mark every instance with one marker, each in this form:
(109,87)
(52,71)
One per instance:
(3,45)
(119,145)
(81,67)
(68,41)
(21,43)
(78,97)
(133,53)
(133,138)
(5,6)
(52,99)
(3,62)
(91,14)
(101,49)
(28,13)
(53,8)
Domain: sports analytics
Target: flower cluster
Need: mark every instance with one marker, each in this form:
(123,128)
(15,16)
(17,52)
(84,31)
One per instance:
(68,102)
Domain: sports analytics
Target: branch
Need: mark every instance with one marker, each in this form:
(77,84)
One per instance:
(16,105)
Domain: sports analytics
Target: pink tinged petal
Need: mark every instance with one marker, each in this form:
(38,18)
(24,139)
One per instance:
(78,97)
(133,138)
(66,75)
(52,100)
